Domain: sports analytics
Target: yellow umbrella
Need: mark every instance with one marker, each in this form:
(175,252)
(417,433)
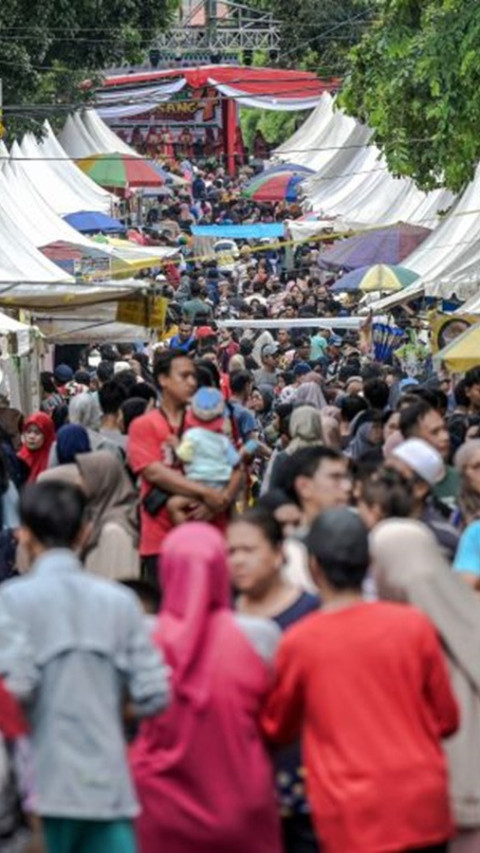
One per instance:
(462,353)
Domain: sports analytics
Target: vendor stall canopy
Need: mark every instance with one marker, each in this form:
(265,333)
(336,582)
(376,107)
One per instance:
(265,88)
(352,182)
(462,353)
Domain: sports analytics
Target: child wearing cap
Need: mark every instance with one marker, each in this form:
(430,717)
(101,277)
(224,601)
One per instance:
(207,454)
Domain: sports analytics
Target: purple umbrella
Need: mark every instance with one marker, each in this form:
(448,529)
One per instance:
(377,246)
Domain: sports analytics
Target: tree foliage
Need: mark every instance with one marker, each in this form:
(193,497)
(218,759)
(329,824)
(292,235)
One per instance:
(47,48)
(275,126)
(315,35)
(415,79)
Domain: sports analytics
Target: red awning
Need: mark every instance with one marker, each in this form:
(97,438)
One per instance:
(272,88)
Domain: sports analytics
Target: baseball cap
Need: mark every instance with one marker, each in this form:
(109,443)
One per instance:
(422,458)
(301,369)
(339,538)
(269,349)
(407,383)
(63,373)
(207,404)
(205,332)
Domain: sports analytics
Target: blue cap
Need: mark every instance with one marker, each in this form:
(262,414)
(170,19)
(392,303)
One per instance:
(407,382)
(335,341)
(63,373)
(301,369)
(208,404)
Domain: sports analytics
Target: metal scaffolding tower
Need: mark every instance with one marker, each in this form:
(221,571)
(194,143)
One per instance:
(218,28)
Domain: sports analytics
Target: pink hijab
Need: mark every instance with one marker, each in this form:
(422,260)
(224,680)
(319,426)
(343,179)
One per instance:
(201,769)
(195,583)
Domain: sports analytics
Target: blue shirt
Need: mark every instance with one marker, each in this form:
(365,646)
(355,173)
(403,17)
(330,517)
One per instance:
(183,346)
(244,420)
(467,558)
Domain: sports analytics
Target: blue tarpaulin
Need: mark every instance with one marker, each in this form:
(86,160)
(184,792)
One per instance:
(91,221)
(256,231)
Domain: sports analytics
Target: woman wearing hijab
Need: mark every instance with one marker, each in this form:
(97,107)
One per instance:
(111,549)
(409,567)
(309,393)
(85,409)
(72,439)
(367,441)
(261,401)
(306,430)
(202,771)
(37,438)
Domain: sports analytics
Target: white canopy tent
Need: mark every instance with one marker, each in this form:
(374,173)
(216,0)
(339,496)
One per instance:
(35,295)
(20,201)
(105,139)
(22,264)
(352,182)
(28,211)
(91,196)
(3,155)
(449,256)
(86,324)
(298,147)
(341,161)
(338,134)
(54,187)
(85,134)
(75,139)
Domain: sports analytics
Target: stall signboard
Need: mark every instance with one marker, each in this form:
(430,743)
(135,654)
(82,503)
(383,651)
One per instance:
(147,311)
(198,110)
(446,327)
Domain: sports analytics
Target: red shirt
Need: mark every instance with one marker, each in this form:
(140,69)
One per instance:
(368,688)
(149,440)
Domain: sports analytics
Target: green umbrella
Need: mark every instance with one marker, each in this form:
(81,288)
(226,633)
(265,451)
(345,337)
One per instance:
(120,171)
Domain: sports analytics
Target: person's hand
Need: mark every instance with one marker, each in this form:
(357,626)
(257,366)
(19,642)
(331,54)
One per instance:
(36,839)
(35,844)
(216,501)
(200,512)
(173,441)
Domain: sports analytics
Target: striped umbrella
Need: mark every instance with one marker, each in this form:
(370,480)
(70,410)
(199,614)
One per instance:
(382,277)
(120,171)
(274,186)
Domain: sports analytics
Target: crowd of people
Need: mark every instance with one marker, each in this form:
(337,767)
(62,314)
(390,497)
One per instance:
(239,578)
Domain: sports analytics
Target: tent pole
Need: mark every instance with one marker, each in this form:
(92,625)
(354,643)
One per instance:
(229,118)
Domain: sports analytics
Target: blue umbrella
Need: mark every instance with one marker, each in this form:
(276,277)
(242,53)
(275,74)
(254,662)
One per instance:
(92,221)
